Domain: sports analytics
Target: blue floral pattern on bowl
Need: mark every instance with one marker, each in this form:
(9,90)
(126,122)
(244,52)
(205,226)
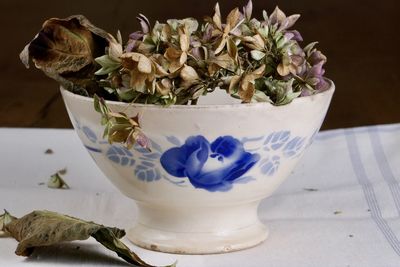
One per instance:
(211,166)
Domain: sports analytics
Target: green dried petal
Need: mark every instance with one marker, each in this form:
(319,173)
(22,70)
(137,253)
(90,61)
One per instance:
(257,55)
(107,64)
(260,97)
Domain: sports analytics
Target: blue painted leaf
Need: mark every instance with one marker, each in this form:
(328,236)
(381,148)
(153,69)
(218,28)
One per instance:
(147,173)
(173,140)
(147,163)
(244,180)
(152,156)
(270,165)
(155,146)
(276,140)
(293,147)
(76,123)
(120,155)
(89,134)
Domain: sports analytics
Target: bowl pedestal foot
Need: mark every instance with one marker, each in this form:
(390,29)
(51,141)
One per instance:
(198,230)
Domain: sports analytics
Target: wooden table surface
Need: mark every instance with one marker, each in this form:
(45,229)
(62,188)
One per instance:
(360,38)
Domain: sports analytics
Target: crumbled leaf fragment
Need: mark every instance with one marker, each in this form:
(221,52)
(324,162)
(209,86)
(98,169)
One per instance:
(310,189)
(48,151)
(57,182)
(46,228)
(5,219)
(62,171)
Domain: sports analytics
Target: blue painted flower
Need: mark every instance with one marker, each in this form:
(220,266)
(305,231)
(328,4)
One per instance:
(214,166)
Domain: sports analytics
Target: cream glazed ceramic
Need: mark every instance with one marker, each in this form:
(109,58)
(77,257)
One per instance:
(210,165)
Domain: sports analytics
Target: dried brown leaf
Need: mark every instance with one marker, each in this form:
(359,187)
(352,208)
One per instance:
(224,61)
(46,228)
(247,85)
(65,50)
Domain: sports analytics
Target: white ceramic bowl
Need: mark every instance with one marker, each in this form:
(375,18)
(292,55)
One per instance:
(210,166)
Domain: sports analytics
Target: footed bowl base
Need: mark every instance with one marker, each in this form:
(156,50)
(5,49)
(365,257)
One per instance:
(197,243)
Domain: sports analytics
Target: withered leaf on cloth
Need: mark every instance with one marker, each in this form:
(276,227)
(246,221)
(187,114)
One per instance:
(46,228)
(56,181)
(5,219)
(65,50)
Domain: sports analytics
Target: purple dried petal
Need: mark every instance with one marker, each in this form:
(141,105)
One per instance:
(296,35)
(322,85)
(143,141)
(305,91)
(291,20)
(130,46)
(288,35)
(208,33)
(144,23)
(316,57)
(194,42)
(198,53)
(136,35)
(316,71)
(297,60)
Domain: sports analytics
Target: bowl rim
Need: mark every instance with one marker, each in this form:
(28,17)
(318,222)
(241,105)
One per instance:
(297,100)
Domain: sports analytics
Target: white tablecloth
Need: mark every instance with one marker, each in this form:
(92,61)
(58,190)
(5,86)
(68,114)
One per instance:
(351,219)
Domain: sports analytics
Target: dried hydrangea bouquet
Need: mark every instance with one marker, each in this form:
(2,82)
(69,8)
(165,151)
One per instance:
(197,170)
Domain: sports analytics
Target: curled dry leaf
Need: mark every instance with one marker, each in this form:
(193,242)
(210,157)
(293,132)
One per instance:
(65,50)
(46,228)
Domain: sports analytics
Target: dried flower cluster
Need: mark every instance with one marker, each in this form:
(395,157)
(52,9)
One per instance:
(178,61)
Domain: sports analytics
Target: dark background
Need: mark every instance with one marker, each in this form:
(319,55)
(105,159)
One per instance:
(360,38)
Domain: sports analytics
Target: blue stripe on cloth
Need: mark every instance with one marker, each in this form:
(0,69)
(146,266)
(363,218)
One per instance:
(369,192)
(384,166)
